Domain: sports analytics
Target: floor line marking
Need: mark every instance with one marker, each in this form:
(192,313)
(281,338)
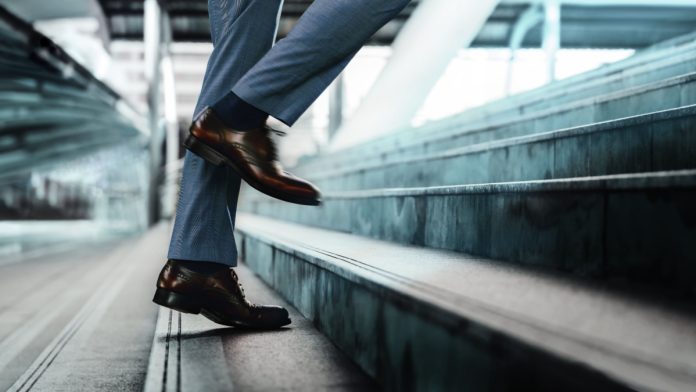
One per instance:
(166,352)
(103,296)
(25,333)
(158,373)
(178,355)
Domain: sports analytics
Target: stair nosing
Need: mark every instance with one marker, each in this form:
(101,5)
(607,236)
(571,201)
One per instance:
(452,310)
(676,179)
(516,96)
(609,125)
(578,87)
(483,126)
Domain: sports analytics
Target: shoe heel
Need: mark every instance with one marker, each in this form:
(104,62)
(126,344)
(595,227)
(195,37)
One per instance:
(203,151)
(175,301)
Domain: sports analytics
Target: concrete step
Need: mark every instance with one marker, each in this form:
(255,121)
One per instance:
(640,69)
(670,43)
(421,319)
(655,58)
(652,142)
(191,353)
(667,65)
(638,227)
(667,68)
(663,95)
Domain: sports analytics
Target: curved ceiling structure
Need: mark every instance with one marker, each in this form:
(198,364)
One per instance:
(585,23)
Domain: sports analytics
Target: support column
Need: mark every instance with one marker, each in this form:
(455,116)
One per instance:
(429,40)
(153,57)
(171,123)
(552,35)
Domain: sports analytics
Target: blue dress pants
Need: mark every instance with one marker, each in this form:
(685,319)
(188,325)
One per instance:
(281,79)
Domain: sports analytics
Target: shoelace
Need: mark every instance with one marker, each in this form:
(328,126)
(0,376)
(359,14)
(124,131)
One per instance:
(276,131)
(241,288)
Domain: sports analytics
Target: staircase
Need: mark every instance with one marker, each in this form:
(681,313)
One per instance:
(546,241)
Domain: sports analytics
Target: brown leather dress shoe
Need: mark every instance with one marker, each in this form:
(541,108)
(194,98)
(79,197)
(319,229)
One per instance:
(217,296)
(252,153)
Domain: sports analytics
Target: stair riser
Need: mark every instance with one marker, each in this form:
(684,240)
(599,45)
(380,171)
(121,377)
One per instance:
(406,344)
(683,64)
(546,98)
(601,89)
(666,65)
(669,97)
(664,145)
(604,233)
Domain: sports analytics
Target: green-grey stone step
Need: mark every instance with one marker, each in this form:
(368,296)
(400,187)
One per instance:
(639,62)
(666,69)
(638,69)
(636,226)
(670,43)
(666,66)
(658,141)
(191,353)
(650,65)
(422,319)
(665,94)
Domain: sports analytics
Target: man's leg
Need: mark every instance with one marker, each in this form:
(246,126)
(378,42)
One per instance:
(283,84)
(299,67)
(242,32)
(197,278)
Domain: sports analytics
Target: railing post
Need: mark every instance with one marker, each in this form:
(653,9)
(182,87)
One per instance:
(527,21)
(552,35)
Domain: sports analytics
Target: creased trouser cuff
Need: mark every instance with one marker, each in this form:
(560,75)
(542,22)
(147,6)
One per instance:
(242,32)
(300,66)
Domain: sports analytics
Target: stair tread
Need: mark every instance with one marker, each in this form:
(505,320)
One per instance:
(218,358)
(649,118)
(650,344)
(459,125)
(630,181)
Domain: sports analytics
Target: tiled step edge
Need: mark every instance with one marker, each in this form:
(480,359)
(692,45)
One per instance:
(595,107)
(639,227)
(421,319)
(633,124)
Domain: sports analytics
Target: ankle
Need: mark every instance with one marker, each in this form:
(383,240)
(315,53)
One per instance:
(239,114)
(201,267)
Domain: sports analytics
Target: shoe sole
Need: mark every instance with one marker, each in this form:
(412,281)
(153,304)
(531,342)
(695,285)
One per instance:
(213,156)
(181,303)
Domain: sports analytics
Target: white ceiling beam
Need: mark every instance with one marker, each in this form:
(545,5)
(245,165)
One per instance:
(637,3)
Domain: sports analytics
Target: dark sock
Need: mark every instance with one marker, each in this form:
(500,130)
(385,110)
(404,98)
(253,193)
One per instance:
(202,267)
(238,114)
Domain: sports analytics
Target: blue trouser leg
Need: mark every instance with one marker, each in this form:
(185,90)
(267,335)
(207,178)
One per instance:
(242,32)
(299,67)
(283,82)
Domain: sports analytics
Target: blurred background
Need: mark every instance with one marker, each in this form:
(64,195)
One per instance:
(116,172)
(96,96)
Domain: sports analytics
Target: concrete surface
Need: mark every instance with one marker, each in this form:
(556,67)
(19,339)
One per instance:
(424,319)
(83,320)
(612,147)
(611,227)
(459,131)
(199,355)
